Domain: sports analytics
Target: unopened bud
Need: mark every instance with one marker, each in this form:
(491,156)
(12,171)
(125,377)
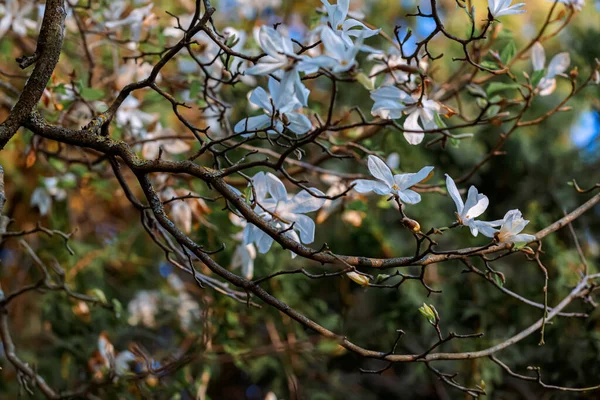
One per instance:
(411,224)
(596,77)
(574,73)
(362,280)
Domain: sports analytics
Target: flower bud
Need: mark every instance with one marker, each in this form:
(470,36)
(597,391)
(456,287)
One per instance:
(574,73)
(362,280)
(411,224)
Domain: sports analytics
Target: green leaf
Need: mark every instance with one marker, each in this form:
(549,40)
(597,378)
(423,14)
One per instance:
(537,76)
(489,64)
(438,120)
(498,280)
(492,111)
(476,90)
(501,86)
(365,81)
(454,142)
(508,52)
(92,94)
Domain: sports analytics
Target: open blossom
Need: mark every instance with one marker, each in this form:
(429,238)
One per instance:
(160,137)
(420,111)
(576,4)
(558,65)
(510,228)
(282,210)
(391,103)
(395,68)
(475,205)
(279,50)
(387,183)
(345,27)
(280,109)
(499,8)
(338,57)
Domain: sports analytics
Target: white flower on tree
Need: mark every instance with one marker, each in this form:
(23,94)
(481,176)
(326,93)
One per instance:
(576,4)
(279,50)
(282,210)
(279,109)
(344,27)
(392,102)
(338,57)
(386,183)
(510,230)
(558,65)
(499,8)
(475,205)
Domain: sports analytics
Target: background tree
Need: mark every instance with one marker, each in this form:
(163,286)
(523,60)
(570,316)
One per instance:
(242,199)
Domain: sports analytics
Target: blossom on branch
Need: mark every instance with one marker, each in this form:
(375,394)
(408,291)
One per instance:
(279,107)
(499,8)
(475,205)
(338,57)
(510,228)
(558,65)
(284,211)
(386,183)
(344,27)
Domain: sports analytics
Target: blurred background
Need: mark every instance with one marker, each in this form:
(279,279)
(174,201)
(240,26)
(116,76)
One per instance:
(257,353)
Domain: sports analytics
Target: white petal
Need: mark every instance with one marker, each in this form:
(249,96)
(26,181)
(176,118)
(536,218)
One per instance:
(276,188)
(298,123)
(365,186)
(260,98)
(409,196)
(305,227)
(558,65)
(538,57)
(405,181)
(380,171)
(252,124)
(411,124)
(454,194)
(304,202)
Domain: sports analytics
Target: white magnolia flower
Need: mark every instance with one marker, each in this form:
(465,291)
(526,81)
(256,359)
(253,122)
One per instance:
(389,102)
(510,228)
(186,206)
(338,57)
(279,50)
(499,8)
(576,4)
(387,183)
(337,19)
(13,17)
(280,109)
(558,65)
(281,210)
(395,68)
(467,212)
(423,111)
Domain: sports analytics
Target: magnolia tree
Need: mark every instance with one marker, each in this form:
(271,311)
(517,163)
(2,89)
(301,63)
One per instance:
(229,144)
